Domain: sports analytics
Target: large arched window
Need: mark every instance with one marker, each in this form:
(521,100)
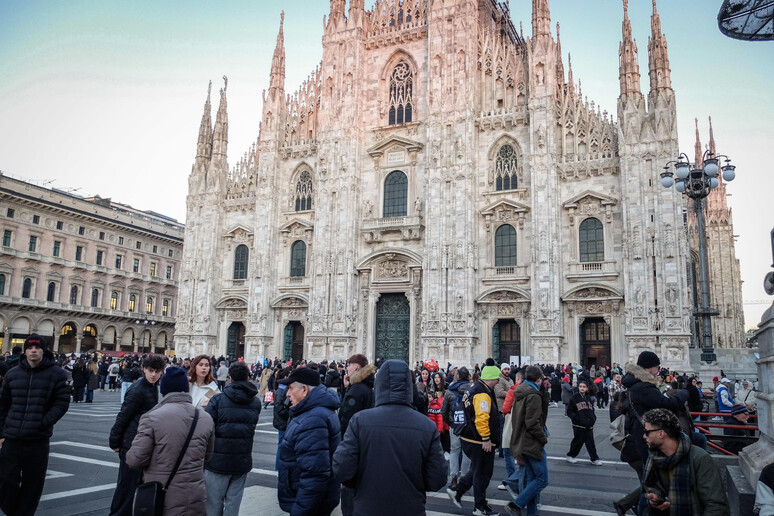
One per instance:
(149,305)
(26,287)
(592,241)
(298,258)
(505,169)
(132,302)
(113,300)
(401,94)
(505,246)
(94,297)
(73,294)
(304,192)
(395,194)
(51,291)
(165,308)
(2,284)
(240,262)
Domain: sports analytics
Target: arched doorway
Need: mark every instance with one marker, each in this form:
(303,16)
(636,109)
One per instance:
(392,327)
(506,342)
(89,342)
(67,338)
(293,342)
(235,340)
(595,342)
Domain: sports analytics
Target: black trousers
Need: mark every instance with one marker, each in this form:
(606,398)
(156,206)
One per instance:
(123,496)
(583,436)
(479,474)
(22,475)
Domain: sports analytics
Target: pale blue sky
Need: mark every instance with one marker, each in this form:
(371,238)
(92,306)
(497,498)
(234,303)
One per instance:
(106,96)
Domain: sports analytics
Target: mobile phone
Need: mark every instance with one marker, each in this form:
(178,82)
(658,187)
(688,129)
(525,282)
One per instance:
(659,500)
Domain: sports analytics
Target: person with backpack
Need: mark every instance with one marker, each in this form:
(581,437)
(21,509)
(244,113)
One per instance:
(453,413)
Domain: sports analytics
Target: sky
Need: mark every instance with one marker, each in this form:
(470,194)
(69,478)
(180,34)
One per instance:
(105,97)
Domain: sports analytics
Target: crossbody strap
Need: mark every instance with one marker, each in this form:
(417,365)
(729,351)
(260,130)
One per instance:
(185,447)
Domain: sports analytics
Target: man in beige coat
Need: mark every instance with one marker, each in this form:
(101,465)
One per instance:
(160,437)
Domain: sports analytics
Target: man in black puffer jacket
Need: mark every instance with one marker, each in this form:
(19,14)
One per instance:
(235,413)
(391,455)
(34,397)
(141,396)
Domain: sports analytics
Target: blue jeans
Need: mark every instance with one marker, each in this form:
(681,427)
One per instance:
(510,466)
(280,435)
(535,480)
(224,493)
(125,387)
(455,469)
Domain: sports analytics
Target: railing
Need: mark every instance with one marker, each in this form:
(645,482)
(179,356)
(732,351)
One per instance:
(591,266)
(713,439)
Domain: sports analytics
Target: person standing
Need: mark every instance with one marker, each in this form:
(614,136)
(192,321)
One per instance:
(202,386)
(479,440)
(528,441)
(33,398)
(305,482)
(235,414)
(162,433)
(581,413)
(140,398)
(80,379)
(92,379)
(103,374)
(459,463)
(222,375)
(501,389)
(113,370)
(391,449)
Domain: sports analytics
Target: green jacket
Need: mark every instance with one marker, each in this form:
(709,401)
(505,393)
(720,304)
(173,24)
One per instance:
(708,495)
(529,413)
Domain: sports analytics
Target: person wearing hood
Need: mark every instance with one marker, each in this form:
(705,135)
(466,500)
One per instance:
(305,482)
(567,391)
(391,449)
(235,414)
(34,397)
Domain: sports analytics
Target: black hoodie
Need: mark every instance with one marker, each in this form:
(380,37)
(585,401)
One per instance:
(581,410)
(235,414)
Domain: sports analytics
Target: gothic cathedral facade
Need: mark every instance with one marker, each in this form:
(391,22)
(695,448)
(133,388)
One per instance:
(438,188)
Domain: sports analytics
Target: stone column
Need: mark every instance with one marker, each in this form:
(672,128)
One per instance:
(78,339)
(753,458)
(56,343)
(369,346)
(412,325)
(6,339)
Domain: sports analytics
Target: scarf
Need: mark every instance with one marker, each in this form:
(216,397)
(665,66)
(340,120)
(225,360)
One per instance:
(679,465)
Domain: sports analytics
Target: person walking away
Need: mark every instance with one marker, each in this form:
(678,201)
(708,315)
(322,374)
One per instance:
(479,438)
(358,395)
(501,388)
(202,386)
(614,390)
(391,449)
(453,414)
(103,373)
(281,412)
(679,478)
(161,435)
(235,414)
(128,377)
(581,413)
(140,398)
(80,379)
(222,375)
(305,482)
(528,441)
(93,380)
(567,392)
(33,398)
(113,370)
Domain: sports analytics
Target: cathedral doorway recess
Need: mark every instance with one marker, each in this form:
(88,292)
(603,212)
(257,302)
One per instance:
(235,341)
(393,325)
(506,342)
(595,342)
(293,345)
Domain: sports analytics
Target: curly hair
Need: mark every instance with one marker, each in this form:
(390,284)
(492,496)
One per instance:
(154,362)
(192,370)
(663,419)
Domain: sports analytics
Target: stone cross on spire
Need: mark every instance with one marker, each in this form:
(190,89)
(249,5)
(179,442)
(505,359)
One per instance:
(658,58)
(628,68)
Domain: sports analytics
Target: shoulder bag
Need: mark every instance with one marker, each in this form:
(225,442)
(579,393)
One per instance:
(149,496)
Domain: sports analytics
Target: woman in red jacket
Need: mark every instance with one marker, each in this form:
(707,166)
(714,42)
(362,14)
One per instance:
(434,411)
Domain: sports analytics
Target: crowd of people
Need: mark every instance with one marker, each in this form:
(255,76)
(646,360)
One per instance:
(345,429)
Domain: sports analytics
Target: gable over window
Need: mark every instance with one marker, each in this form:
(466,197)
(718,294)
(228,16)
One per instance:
(401,94)
(303,200)
(505,168)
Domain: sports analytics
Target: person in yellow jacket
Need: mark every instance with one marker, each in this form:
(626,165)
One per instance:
(479,438)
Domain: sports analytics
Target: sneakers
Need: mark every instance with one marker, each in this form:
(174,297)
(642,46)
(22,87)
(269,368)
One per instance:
(453,495)
(446,456)
(513,509)
(501,486)
(485,511)
(453,483)
(597,462)
(571,460)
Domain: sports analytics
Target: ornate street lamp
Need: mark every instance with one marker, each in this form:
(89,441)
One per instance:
(145,324)
(697,183)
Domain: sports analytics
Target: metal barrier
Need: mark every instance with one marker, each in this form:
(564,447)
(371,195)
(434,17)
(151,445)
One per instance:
(705,426)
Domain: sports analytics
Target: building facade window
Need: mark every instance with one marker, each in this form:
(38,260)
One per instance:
(7,234)
(165,308)
(132,302)
(120,240)
(136,265)
(36,219)
(26,288)
(592,240)
(94,297)
(395,194)
(304,192)
(138,245)
(119,260)
(81,230)
(10,213)
(102,235)
(2,284)
(505,246)
(59,225)
(74,294)
(401,94)
(113,300)
(298,259)
(169,272)
(100,256)
(149,305)
(33,243)
(169,253)
(505,169)
(241,256)
(78,253)
(153,269)
(51,291)
(155,248)
(57,248)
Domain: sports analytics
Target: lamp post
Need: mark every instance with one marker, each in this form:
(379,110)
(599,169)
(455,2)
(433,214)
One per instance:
(696,183)
(145,324)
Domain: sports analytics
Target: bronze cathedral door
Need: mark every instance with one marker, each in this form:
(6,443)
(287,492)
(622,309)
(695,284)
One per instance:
(392,327)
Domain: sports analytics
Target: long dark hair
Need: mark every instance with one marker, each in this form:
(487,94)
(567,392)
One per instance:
(192,370)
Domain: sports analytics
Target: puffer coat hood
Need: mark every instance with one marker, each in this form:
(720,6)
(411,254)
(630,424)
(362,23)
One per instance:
(393,384)
(235,414)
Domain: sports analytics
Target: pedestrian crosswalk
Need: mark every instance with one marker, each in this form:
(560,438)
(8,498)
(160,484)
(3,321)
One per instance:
(102,409)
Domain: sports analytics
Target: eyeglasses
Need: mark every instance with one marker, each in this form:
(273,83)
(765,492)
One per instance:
(647,432)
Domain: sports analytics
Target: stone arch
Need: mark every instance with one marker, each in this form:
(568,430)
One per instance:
(595,291)
(45,328)
(520,294)
(371,259)
(231,301)
(302,300)
(109,338)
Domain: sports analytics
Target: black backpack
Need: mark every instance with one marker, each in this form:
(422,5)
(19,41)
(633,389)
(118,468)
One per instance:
(459,419)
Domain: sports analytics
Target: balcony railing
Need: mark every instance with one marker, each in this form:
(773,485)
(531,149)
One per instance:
(517,273)
(586,270)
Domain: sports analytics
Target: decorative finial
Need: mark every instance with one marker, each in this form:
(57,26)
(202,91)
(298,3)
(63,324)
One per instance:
(209,89)
(626,7)
(225,83)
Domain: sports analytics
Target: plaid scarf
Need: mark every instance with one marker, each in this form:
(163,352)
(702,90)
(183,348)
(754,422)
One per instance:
(679,467)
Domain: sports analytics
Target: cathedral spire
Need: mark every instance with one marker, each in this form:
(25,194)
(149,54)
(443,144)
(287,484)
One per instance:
(541,19)
(628,68)
(658,58)
(220,134)
(277,82)
(699,162)
(570,84)
(712,138)
(204,145)
(559,62)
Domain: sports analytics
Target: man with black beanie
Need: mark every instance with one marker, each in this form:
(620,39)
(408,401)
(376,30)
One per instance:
(34,397)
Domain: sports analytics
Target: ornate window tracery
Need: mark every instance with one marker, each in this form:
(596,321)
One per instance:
(506,168)
(401,94)
(505,246)
(240,262)
(592,240)
(395,194)
(303,200)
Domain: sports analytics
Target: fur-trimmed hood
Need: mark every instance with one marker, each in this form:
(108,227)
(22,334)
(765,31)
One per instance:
(362,374)
(635,373)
